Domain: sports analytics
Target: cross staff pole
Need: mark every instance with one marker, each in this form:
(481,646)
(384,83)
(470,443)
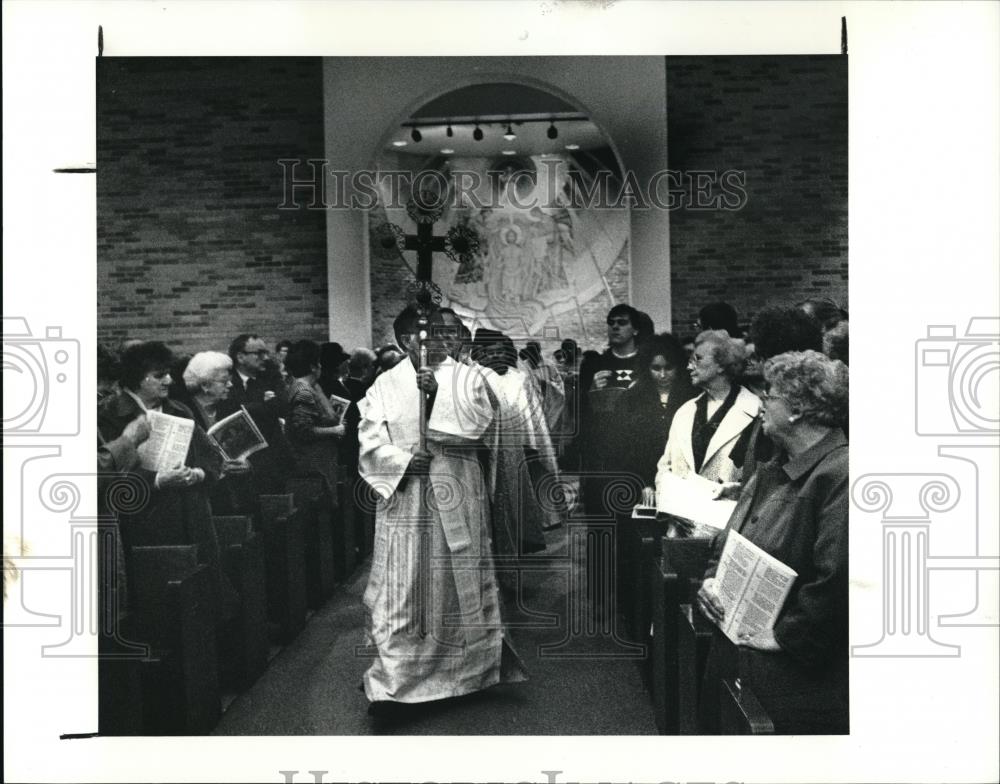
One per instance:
(426,244)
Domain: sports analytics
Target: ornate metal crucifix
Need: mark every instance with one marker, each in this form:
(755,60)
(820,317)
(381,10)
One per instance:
(460,243)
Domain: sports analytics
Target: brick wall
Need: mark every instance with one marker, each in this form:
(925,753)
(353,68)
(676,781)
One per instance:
(191,247)
(782,120)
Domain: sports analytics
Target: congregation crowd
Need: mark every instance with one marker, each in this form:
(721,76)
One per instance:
(759,409)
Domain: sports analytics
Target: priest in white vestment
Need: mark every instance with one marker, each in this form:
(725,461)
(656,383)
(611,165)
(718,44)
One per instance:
(547,380)
(433,615)
(524,476)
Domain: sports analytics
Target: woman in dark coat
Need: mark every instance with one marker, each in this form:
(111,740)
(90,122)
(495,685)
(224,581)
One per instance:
(645,411)
(794,508)
(177,511)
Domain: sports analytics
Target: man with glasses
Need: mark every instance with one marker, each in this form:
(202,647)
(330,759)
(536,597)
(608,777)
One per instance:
(260,389)
(252,383)
(604,379)
(602,382)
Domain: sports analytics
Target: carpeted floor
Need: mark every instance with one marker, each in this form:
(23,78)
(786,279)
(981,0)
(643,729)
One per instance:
(582,680)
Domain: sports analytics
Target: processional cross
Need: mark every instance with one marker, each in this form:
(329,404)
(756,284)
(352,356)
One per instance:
(460,243)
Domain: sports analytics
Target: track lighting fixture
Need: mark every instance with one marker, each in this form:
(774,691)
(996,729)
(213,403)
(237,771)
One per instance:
(478,134)
(552,132)
(416,135)
(509,134)
(449,132)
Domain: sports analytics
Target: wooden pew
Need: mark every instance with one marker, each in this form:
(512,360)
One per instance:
(638,548)
(121,658)
(673,582)
(694,639)
(364,516)
(284,558)
(641,620)
(740,712)
(243,646)
(345,526)
(172,596)
(119,680)
(312,498)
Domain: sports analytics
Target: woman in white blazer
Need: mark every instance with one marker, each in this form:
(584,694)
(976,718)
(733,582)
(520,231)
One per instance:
(710,431)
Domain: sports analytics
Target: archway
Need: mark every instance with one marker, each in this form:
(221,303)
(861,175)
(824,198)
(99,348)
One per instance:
(538,182)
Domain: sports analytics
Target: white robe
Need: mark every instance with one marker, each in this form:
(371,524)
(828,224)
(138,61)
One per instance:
(533,495)
(433,618)
(548,383)
(678,455)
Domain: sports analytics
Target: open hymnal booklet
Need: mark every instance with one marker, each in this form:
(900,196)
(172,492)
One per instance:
(237,436)
(168,442)
(693,498)
(339,406)
(752,585)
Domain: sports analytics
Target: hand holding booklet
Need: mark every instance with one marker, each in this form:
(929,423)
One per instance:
(752,585)
(168,442)
(339,406)
(693,498)
(237,436)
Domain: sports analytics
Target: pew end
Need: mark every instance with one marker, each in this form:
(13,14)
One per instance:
(740,711)
(673,581)
(283,530)
(173,601)
(243,645)
(694,639)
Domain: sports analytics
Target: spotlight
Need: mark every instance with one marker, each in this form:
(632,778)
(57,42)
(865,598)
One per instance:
(552,132)
(478,134)
(449,132)
(510,135)
(447,151)
(509,152)
(399,143)
(572,146)
(416,135)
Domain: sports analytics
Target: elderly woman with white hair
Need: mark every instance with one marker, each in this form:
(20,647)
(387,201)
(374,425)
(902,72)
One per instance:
(795,508)
(709,431)
(207,381)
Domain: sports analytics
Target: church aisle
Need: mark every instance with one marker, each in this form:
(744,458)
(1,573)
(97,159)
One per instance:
(311,687)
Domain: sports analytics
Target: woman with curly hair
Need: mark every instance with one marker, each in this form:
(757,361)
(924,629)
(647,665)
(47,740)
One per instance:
(314,430)
(795,508)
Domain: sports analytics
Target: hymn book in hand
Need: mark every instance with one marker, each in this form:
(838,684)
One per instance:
(752,586)
(339,406)
(237,436)
(168,442)
(693,498)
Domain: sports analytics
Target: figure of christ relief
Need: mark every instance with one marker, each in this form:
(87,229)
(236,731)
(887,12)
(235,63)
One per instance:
(524,257)
(534,262)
